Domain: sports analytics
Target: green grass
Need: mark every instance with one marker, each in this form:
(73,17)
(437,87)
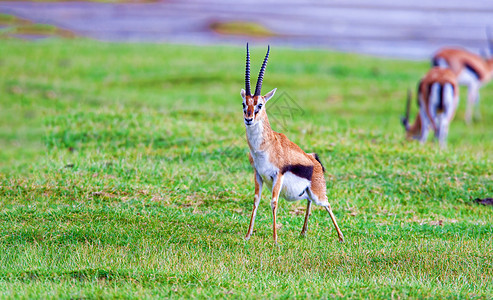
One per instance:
(123,173)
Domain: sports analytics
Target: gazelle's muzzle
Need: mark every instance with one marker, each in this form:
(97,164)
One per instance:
(248,113)
(248,121)
(405,122)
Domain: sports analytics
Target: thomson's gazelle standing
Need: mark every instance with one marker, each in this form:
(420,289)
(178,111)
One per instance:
(280,164)
(437,100)
(471,70)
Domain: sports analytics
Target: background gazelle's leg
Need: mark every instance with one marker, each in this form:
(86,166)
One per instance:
(472,100)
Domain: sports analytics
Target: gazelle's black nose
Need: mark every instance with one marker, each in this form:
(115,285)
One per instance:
(248,121)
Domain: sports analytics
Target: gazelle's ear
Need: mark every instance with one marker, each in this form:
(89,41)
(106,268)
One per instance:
(269,95)
(243,94)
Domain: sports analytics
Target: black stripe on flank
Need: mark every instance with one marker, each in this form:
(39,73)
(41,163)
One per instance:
(435,61)
(299,170)
(474,71)
(318,159)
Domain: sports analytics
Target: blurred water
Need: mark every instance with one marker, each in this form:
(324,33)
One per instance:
(408,29)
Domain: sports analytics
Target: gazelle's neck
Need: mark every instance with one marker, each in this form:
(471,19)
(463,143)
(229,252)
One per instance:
(258,134)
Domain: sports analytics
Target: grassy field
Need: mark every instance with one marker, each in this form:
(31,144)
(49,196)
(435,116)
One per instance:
(124,173)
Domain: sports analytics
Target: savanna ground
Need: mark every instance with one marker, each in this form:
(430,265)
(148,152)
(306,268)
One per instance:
(124,173)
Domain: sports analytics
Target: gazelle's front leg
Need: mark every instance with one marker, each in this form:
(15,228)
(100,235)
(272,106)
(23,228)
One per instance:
(276,189)
(258,193)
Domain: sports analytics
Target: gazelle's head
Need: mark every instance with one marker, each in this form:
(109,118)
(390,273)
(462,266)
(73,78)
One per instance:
(254,106)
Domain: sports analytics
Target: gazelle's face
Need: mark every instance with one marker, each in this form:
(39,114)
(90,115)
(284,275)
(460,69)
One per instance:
(413,132)
(410,133)
(254,107)
(405,124)
(405,118)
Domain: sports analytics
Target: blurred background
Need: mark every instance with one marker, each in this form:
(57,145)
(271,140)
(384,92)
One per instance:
(123,159)
(403,29)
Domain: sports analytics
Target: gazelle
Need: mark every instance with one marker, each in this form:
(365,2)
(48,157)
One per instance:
(437,99)
(278,163)
(471,70)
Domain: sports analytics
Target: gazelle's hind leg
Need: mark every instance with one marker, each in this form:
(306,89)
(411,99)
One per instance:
(319,196)
(307,215)
(442,131)
(470,79)
(339,233)
(446,116)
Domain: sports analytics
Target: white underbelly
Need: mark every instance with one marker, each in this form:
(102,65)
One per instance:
(293,187)
(467,77)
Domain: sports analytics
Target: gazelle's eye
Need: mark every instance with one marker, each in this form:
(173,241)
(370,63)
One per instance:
(244,105)
(259,105)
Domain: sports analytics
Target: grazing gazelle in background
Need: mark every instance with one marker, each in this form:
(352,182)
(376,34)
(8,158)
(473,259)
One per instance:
(471,70)
(438,97)
(278,163)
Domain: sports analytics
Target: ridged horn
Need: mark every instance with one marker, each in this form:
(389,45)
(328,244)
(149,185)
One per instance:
(261,73)
(247,74)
